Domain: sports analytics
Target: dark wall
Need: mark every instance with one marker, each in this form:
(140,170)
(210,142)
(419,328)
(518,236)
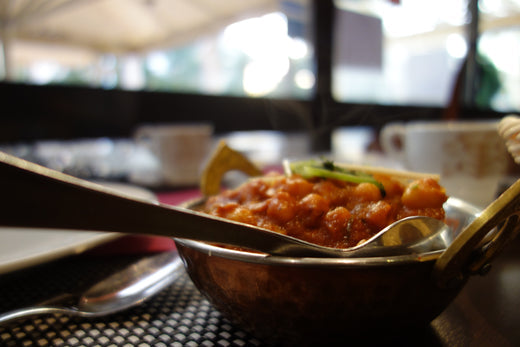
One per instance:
(38,112)
(60,112)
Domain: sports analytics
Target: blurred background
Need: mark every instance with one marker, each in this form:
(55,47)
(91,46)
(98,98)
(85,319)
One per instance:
(91,72)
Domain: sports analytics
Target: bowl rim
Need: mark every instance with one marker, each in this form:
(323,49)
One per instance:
(453,206)
(261,258)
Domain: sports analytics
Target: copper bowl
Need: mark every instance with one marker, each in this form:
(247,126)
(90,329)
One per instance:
(308,300)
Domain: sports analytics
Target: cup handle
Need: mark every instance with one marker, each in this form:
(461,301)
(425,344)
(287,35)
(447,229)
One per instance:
(393,141)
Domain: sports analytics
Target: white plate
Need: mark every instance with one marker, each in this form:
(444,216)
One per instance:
(24,247)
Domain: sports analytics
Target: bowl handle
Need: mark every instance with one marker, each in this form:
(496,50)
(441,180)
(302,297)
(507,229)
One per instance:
(474,248)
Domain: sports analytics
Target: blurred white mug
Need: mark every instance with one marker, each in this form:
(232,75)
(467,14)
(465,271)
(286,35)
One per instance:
(470,156)
(181,149)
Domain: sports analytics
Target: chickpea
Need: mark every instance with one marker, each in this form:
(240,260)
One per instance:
(223,209)
(298,187)
(336,222)
(312,208)
(367,192)
(281,207)
(243,215)
(424,193)
(392,186)
(330,191)
(377,213)
(253,190)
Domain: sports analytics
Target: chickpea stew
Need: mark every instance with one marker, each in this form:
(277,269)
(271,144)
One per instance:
(328,211)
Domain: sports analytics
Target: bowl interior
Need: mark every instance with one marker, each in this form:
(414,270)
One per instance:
(458,215)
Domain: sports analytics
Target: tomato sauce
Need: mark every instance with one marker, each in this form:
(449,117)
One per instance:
(327,212)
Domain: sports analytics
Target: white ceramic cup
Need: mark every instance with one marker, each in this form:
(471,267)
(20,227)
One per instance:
(180,149)
(470,156)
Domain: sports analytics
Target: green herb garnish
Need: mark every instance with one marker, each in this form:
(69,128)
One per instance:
(326,169)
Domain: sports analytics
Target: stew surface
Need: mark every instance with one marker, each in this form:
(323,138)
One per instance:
(327,212)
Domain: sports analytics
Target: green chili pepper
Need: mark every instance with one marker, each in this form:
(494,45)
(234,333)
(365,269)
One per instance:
(327,169)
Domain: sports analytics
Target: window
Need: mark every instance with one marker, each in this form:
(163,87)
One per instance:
(499,49)
(267,54)
(385,52)
(254,57)
(410,52)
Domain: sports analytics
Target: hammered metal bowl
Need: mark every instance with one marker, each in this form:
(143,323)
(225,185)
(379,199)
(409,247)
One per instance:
(303,301)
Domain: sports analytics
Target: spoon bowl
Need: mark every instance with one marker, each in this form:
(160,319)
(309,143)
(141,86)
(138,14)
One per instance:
(119,291)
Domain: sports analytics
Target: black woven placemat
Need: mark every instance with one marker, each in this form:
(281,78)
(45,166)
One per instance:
(177,316)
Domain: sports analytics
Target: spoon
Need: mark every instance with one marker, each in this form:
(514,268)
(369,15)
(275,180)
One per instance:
(38,197)
(126,288)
